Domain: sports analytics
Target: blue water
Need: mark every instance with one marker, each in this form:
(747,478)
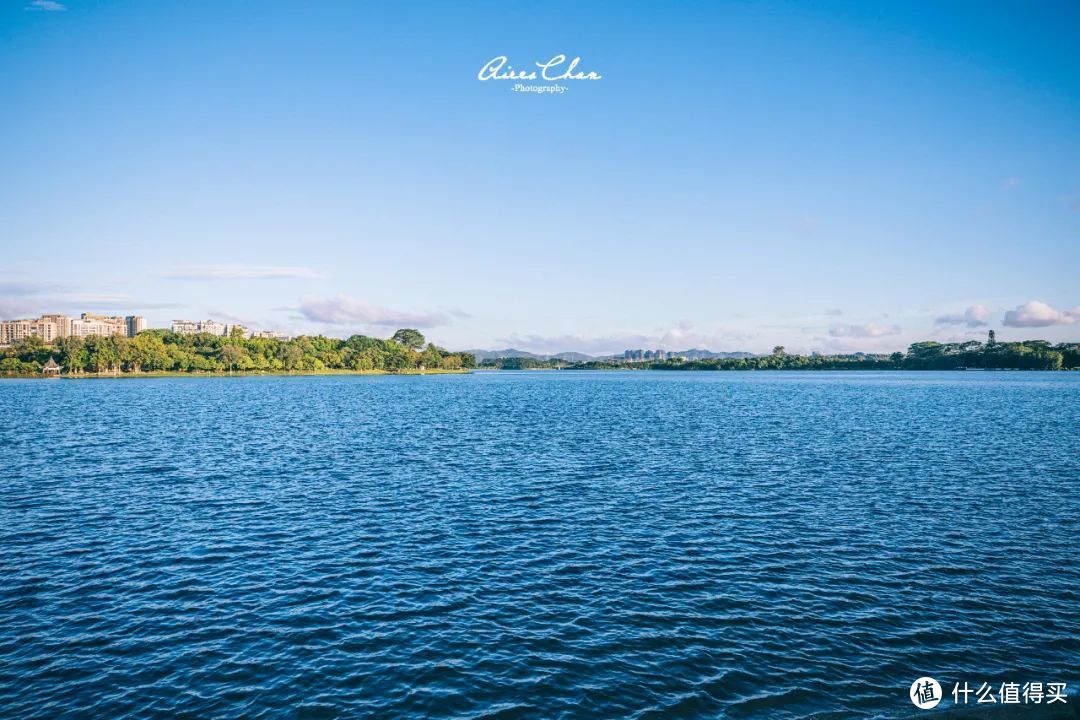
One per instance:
(542,545)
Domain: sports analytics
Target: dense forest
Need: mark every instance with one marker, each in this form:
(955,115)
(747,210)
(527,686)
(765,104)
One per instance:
(1027,355)
(166,351)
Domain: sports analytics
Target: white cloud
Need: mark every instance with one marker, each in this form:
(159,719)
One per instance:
(974,316)
(230,317)
(866,330)
(11,309)
(23,288)
(92,302)
(22,298)
(1011,183)
(46,6)
(243,272)
(1039,314)
(342,310)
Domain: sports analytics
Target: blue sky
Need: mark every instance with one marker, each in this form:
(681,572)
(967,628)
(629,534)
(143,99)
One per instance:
(827,176)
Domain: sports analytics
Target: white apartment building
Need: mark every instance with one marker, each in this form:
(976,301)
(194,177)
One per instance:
(194,327)
(90,324)
(12,331)
(51,328)
(269,334)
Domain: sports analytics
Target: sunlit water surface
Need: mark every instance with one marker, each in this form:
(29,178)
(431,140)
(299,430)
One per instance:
(538,545)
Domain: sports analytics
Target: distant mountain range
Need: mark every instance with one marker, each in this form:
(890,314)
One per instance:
(700,354)
(512,353)
(692,354)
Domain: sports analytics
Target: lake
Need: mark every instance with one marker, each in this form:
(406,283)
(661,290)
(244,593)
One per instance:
(535,544)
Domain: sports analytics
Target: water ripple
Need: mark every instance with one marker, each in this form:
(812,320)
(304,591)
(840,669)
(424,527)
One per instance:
(542,545)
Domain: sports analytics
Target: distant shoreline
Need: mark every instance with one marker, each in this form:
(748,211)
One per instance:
(163,353)
(238,373)
(485,370)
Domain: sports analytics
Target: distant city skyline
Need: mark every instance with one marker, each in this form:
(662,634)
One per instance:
(52,327)
(834,177)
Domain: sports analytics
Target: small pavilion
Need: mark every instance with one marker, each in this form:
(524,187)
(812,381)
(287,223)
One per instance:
(51,368)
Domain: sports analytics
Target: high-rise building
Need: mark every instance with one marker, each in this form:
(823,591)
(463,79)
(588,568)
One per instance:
(91,324)
(12,331)
(63,323)
(135,324)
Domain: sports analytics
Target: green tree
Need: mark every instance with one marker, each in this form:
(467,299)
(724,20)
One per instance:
(362,342)
(398,357)
(147,351)
(371,358)
(292,357)
(409,337)
(231,356)
(104,353)
(32,350)
(431,357)
(73,354)
(15,366)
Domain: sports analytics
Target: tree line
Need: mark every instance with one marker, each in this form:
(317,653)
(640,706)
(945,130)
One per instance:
(1026,355)
(407,350)
(166,351)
